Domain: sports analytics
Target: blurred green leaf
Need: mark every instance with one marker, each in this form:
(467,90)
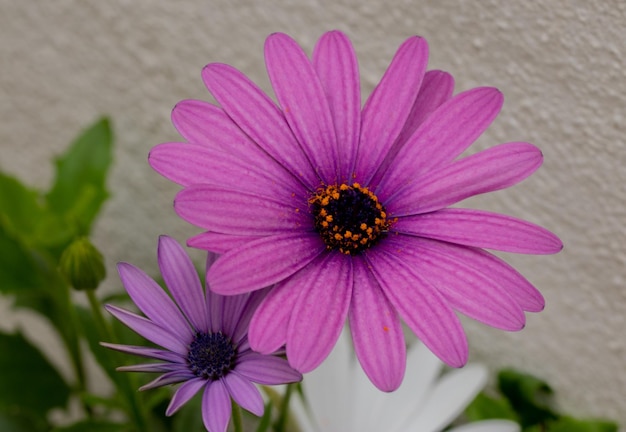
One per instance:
(266,420)
(486,407)
(79,188)
(28,381)
(19,268)
(189,418)
(93,426)
(569,424)
(16,421)
(20,209)
(529,396)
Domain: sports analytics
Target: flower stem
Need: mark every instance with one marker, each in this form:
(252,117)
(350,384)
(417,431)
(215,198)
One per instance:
(127,386)
(236,417)
(283,414)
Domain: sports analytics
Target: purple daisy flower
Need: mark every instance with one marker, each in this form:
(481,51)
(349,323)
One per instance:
(204,336)
(344,211)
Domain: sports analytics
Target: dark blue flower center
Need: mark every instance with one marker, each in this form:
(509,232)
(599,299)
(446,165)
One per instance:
(211,355)
(349,218)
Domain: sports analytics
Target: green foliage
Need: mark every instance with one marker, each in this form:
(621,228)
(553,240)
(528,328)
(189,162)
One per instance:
(30,384)
(93,426)
(527,400)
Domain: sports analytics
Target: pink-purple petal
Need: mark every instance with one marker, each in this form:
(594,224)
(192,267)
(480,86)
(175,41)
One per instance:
(153,332)
(239,321)
(303,102)
(336,65)
(244,393)
(266,369)
(312,335)
(255,113)
(422,307)
(152,367)
(183,281)
(263,262)
(496,168)
(468,289)
(436,88)
(219,242)
(188,164)
(153,301)
(482,229)
(236,212)
(205,124)
(443,136)
(216,407)
(168,378)
(183,394)
(153,353)
(386,110)
(376,331)
(268,327)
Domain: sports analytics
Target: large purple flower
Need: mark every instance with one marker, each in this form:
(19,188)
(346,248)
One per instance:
(344,211)
(205,337)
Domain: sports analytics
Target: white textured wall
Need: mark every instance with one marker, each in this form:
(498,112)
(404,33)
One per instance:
(559,63)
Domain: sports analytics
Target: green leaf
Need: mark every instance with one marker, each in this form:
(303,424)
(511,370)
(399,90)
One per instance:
(79,188)
(28,381)
(20,209)
(12,421)
(569,424)
(19,268)
(485,407)
(93,426)
(189,418)
(266,420)
(529,396)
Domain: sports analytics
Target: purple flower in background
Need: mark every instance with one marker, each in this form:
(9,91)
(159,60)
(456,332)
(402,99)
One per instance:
(204,336)
(344,210)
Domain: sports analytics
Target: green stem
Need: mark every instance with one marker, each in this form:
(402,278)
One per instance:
(76,355)
(283,414)
(127,386)
(236,417)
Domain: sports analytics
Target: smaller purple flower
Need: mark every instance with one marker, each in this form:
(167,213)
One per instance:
(204,336)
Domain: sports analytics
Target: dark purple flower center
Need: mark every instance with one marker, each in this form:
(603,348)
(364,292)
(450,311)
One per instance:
(211,355)
(349,218)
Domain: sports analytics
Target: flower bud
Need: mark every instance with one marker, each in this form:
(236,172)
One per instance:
(82,265)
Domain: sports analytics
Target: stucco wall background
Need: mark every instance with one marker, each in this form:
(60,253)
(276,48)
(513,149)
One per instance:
(560,65)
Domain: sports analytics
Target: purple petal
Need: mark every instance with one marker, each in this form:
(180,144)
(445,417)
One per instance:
(524,293)
(182,279)
(266,369)
(466,287)
(153,353)
(151,331)
(188,164)
(386,110)
(376,331)
(216,407)
(183,394)
(336,65)
(218,242)
(481,229)
(443,136)
(268,328)
(235,212)
(327,287)
(259,118)
(240,318)
(244,393)
(153,301)
(263,262)
(168,378)
(436,89)
(420,305)
(303,101)
(496,168)
(207,125)
(152,367)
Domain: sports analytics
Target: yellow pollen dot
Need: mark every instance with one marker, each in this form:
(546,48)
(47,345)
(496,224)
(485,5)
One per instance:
(348,234)
(363,227)
(329,218)
(323,212)
(355,237)
(324,224)
(363,241)
(338,237)
(343,187)
(335,195)
(325,201)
